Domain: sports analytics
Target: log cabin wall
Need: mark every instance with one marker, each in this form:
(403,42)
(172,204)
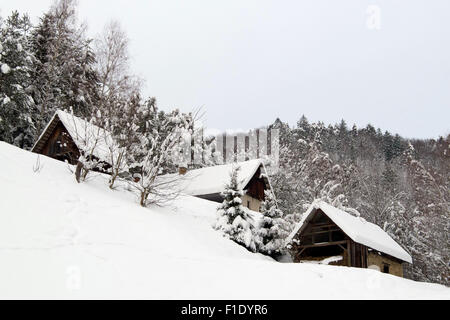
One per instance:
(60,145)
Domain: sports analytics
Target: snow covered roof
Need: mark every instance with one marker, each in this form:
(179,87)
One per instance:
(211,180)
(83,133)
(358,229)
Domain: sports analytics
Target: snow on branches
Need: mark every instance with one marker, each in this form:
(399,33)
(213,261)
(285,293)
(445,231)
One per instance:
(157,135)
(273,228)
(17,107)
(232,218)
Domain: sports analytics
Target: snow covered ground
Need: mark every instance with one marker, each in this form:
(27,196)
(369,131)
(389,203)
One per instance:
(60,239)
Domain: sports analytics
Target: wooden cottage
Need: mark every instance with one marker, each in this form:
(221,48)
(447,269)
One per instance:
(208,183)
(66,135)
(331,236)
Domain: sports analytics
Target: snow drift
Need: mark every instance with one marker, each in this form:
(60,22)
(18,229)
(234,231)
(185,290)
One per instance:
(60,239)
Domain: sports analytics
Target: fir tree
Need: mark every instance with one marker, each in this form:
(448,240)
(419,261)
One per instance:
(64,74)
(16,63)
(232,218)
(273,228)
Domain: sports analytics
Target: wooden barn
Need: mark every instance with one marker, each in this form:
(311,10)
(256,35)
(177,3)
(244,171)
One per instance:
(65,135)
(328,235)
(208,183)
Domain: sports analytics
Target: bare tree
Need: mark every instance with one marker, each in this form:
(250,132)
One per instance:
(119,96)
(113,66)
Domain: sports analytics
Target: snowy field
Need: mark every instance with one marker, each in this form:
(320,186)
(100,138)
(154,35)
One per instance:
(63,240)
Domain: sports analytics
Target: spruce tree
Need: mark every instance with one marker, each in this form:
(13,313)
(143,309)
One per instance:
(16,62)
(232,219)
(64,74)
(273,228)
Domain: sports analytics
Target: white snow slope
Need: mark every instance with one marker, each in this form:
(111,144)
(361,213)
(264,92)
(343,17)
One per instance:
(63,240)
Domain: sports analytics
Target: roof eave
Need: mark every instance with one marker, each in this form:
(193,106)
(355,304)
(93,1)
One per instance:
(47,127)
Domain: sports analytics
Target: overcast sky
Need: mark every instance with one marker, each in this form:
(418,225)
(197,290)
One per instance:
(249,62)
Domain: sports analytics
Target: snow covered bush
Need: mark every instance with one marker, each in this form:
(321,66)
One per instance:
(149,153)
(273,228)
(232,218)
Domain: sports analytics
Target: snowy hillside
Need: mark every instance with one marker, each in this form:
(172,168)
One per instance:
(60,239)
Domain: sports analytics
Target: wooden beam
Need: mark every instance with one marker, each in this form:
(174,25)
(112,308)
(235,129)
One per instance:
(319,232)
(349,258)
(323,244)
(322,225)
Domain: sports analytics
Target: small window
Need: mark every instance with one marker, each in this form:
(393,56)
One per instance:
(248,204)
(385,268)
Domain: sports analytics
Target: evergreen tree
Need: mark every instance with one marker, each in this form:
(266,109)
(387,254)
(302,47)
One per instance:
(304,126)
(16,63)
(232,219)
(64,74)
(273,228)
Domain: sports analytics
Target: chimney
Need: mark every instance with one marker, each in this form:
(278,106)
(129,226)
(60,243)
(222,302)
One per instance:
(182,170)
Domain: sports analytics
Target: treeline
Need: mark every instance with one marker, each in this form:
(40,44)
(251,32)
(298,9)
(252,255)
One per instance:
(399,184)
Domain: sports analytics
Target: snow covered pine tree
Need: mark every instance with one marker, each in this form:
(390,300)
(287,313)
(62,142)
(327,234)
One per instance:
(273,228)
(16,62)
(232,218)
(64,72)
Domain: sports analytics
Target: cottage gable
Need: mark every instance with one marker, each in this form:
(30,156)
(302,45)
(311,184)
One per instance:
(66,136)
(57,143)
